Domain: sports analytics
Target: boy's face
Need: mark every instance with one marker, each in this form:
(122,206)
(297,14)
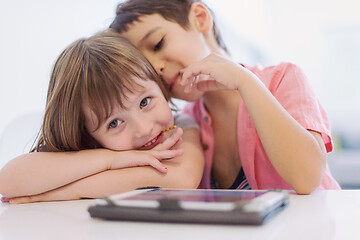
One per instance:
(169,48)
(137,127)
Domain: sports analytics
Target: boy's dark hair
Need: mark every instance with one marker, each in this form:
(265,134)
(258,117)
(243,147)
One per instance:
(172,10)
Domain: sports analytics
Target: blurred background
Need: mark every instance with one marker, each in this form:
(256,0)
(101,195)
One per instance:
(322,37)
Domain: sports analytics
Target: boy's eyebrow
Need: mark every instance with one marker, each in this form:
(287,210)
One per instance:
(147,35)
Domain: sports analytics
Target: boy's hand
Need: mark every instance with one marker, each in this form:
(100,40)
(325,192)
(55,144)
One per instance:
(163,151)
(213,73)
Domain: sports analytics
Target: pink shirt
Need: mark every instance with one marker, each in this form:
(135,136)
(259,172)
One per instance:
(291,88)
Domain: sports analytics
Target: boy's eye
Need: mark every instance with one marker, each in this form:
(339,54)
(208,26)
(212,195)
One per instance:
(115,123)
(158,46)
(145,102)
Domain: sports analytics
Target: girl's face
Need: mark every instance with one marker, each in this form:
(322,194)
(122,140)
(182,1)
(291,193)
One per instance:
(169,48)
(137,127)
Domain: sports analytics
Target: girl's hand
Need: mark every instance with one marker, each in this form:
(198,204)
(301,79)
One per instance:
(139,158)
(163,151)
(214,72)
(172,141)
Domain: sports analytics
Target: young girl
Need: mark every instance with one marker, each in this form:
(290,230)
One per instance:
(261,128)
(106,100)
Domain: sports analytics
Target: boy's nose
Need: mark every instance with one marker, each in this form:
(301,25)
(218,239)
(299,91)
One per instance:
(157,62)
(160,69)
(159,66)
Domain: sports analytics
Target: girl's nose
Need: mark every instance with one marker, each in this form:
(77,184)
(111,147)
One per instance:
(143,129)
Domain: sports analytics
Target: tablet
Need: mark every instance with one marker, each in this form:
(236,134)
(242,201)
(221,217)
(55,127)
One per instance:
(192,206)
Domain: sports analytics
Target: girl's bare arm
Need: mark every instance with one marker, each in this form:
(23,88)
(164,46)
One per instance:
(39,172)
(183,172)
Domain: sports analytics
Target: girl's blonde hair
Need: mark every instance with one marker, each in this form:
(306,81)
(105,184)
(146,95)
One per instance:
(93,71)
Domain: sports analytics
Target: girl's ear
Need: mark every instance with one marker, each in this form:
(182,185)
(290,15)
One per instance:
(201,17)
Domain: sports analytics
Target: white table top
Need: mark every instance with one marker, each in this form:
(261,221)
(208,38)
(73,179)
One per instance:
(324,215)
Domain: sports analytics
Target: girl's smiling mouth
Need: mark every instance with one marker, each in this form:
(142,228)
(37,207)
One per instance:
(156,140)
(152,143)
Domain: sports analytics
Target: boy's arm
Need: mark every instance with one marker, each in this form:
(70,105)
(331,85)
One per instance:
(298,155)
(39,172)
(183,172)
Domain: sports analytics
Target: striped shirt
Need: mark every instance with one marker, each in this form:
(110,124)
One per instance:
(240,182)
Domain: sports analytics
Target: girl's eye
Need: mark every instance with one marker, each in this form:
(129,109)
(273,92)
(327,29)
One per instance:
(145,102)
(115,123)
(158,46)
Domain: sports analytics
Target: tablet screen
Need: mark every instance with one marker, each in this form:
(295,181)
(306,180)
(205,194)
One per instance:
(197,199)
(196,196)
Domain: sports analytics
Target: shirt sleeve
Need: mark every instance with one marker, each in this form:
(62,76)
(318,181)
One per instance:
(185,122)
(292,89)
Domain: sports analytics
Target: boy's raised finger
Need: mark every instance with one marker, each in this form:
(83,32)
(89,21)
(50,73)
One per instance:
(195,73)
(210,85)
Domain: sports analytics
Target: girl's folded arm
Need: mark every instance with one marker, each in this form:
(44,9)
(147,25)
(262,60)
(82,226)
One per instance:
(39,172)
(183,172)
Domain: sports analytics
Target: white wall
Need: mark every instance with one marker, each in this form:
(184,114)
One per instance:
(32,35)
(321,36)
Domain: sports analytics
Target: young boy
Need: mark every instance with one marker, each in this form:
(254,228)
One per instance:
(273,132)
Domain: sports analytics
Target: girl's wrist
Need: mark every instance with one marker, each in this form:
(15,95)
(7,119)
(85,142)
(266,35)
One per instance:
(109,157)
